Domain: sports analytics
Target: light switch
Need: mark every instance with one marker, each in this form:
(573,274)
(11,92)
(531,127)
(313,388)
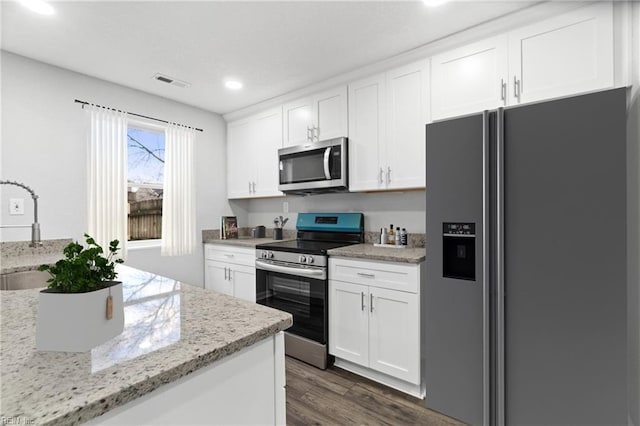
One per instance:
(16,206)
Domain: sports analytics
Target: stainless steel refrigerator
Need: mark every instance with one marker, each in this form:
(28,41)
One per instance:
(525,314)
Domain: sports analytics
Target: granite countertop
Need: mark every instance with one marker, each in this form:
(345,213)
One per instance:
(17,256)
(171,329)
(243,241)
(389,254)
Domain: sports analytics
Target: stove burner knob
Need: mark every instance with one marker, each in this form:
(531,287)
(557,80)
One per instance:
(270,255)
(263,254)
(302,259)
(309,259)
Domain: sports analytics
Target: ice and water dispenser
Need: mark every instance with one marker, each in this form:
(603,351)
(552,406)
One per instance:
(459,250)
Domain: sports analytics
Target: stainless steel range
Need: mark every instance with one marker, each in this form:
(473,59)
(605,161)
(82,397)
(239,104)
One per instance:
(292,276)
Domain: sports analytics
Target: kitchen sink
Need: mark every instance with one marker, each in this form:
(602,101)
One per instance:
(24,280)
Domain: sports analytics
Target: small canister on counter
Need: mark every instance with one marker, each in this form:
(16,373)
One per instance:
(404,237)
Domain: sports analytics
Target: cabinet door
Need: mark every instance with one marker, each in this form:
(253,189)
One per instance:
(330,114)
(564,55)
(267,139)
(216,277)
(244,282)
(366,133)
(297,122)
(407,118)
(469,79)
(239,175)
(394,334)
(348,321)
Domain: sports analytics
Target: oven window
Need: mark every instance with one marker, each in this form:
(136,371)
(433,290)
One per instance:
(305,166)
(304,298)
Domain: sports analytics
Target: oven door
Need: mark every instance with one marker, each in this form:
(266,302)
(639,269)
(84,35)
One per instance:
(300,291)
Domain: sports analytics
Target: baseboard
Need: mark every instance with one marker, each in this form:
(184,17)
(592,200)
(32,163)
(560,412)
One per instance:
(397,384)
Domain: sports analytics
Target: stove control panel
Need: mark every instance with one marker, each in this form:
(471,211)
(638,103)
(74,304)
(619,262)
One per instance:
(264,254)
(289,257)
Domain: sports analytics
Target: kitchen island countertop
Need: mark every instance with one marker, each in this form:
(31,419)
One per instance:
(171,330)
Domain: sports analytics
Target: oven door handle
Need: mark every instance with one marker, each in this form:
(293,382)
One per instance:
(288,270)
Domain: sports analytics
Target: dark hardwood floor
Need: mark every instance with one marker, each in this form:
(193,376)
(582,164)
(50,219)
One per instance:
(338,397)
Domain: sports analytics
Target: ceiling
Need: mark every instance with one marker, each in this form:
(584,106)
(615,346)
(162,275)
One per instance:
(273,47)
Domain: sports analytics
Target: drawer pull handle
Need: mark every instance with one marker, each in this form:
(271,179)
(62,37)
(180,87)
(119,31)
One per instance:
(228,255)
(363,274)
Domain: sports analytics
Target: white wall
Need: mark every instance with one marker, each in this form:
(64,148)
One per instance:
(403,209)
(43,145)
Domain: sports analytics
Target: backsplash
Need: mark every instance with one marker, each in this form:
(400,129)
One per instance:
(214,234)
(413,240)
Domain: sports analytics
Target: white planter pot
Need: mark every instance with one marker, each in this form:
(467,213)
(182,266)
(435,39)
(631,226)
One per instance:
(77,322)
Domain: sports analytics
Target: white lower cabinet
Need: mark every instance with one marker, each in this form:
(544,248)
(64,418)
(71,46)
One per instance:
(374,321)
(230,270)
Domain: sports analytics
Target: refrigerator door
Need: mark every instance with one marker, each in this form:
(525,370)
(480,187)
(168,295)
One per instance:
(455,314)
(565,261)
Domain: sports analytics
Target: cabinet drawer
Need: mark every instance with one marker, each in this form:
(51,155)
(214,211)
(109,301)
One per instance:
(230,254)
(394,276)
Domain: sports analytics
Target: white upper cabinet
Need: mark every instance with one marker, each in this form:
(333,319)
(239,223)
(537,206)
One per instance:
(317,117)
(268,137)
(297,122)
(564,55)
(367,116)
(469,79)
(387,118)
(252,155)
(407,117)
(570,53)
(239,174)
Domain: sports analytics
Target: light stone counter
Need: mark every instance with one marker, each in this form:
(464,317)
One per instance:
(389,254)
(17,256)
(171,330)
(246,242)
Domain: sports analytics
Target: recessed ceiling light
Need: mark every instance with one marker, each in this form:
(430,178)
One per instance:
(38,6)
(434,3)
(233,84)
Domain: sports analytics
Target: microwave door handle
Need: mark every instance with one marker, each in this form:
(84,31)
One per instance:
(327,172)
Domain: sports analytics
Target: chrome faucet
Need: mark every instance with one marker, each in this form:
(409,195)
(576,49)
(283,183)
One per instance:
(35,227)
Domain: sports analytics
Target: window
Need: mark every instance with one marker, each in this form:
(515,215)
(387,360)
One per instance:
(145,174)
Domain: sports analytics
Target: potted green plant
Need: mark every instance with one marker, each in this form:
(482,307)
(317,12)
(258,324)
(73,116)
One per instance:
(83,305)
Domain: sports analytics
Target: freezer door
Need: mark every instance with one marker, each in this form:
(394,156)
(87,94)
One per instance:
(565,261)
(455,313)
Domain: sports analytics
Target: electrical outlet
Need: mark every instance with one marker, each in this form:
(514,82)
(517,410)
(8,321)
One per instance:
(16,206)
(285,207)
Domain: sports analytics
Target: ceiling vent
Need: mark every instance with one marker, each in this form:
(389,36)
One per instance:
(170,80)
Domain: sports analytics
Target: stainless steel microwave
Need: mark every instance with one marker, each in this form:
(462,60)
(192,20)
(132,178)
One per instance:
(314,167)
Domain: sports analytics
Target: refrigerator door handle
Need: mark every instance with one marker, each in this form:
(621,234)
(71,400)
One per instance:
(499,273)
(486,318)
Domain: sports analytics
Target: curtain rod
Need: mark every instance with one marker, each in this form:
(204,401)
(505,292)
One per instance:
(133,113)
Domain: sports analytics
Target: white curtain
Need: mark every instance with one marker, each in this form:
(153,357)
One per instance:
(178,205)
(107,177)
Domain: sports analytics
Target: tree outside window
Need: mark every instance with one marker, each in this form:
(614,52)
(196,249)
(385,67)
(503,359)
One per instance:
(145,174)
